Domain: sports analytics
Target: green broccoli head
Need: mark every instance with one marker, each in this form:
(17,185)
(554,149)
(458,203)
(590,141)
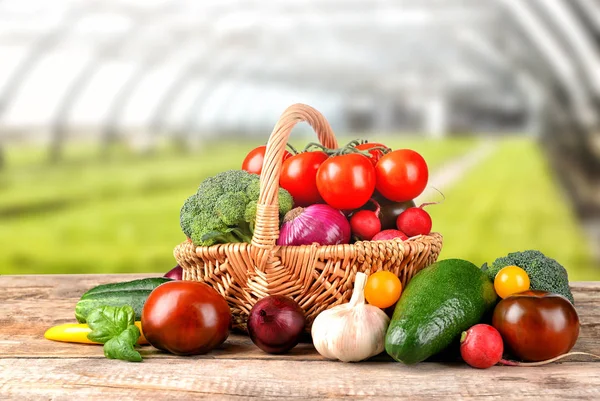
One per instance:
(224,208)
(544,273)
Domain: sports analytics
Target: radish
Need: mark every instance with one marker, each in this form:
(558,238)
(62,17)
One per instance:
(481,346)
(389,234)
(365,224)
(414,221)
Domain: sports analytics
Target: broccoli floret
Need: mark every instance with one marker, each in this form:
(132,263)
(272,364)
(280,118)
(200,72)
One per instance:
(544,273)
(286,202)
(250,214)
(224,208)
(190,209)
(231,207)
(253,190)
(207,229)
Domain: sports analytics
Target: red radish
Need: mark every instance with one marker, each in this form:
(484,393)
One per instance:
(389,234)
(481,346)
(414,221)
(365,224)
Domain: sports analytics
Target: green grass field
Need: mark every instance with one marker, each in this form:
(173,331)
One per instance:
(122,215)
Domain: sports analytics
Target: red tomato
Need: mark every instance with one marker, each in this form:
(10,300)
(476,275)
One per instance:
(254,159)
(401,175)
(346,182)
(376,154)
(299,177)
(185,318)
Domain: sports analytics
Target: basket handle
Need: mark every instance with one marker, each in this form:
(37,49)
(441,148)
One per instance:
(266,229)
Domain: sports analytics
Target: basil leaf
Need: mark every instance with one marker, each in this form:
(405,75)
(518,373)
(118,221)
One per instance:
(108,322)
(121,347)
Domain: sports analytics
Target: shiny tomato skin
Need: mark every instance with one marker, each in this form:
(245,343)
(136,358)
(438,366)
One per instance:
(401,175)
(299,177)
(536,325)
(347,181)
(511,280)
(253,161)
(383,289)
(186,318)
(376,154)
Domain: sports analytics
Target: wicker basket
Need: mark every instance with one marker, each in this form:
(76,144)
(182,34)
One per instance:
(317,277)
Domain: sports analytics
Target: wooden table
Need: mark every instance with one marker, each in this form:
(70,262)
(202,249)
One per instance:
(32,367)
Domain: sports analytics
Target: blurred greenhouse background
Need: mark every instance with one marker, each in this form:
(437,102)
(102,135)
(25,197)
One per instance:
(112,112)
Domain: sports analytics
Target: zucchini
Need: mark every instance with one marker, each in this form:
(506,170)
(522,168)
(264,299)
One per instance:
(133,293)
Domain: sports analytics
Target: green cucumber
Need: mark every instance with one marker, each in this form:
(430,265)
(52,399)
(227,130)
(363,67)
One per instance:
(437,305)
(133,293)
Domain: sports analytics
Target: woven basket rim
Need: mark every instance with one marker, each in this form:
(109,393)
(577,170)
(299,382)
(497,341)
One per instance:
(417,238)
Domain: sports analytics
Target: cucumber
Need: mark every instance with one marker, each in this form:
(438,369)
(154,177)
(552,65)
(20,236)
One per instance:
(133,293)
(437,305)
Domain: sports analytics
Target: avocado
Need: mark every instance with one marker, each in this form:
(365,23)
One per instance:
(440,302)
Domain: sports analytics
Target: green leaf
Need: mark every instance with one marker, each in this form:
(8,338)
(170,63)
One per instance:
(121,347)
(108,322)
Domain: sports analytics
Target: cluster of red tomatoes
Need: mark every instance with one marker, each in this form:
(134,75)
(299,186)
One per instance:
(347,178)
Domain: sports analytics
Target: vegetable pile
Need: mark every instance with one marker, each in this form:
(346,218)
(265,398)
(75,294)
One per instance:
(327,196)
(520,306)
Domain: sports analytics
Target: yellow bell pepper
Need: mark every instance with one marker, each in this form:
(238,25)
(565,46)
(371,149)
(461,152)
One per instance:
(77,333)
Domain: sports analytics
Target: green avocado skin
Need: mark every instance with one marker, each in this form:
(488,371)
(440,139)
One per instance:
(438,304)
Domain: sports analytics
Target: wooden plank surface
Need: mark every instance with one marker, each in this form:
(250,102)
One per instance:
(33,368)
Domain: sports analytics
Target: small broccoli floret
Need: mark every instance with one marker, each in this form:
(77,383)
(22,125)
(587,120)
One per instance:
(208,192)
(190,209)
(235,180)
(231,207)
(253,190)
(286,202)
(544,273)
(207,229)
(250,214)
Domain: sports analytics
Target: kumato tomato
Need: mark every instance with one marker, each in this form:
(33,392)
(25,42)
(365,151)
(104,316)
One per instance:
(299,177)
(254,159)
(185,318)
(346,182)
(401,175)
(536,325)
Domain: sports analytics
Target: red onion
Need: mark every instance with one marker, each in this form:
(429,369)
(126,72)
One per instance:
(276,323)
(175,273)
(316,223)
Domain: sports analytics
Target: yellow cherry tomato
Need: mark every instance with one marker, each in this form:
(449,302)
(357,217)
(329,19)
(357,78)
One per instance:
(383,289)
(511,280)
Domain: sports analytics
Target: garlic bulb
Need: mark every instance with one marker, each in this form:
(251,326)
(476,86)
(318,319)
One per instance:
(351,332)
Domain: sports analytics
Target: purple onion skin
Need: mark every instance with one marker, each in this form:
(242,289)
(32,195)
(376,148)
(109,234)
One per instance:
(276,323)
(318,223)
(175,273)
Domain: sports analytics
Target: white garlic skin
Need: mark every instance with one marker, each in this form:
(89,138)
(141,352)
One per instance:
(351,332)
